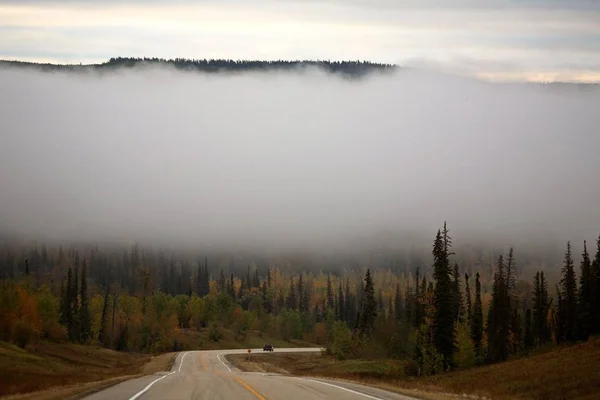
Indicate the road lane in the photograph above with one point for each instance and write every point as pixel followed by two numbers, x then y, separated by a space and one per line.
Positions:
pixel 207 375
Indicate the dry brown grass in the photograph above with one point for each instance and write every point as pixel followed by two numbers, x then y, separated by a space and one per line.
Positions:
pixel 568 372
pixel 68 369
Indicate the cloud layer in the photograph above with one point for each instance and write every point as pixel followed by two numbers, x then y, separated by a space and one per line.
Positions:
pixel 284 159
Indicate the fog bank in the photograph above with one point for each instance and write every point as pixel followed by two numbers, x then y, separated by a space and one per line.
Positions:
pixel 293 159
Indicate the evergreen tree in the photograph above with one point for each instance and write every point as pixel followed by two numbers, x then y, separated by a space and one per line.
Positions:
pixel 103 335
pixel 341 314
pixel 269 277
pixel 255 279
pixel 468 303
pixel 368 311
pixel 243 288
pixel 477 317
pixel 540 328
pixel 458 301
pixel 587 294
pixel 398 309
pixel 291 302
pixel 596 304
pixel 206 278
pixel 73 328
pixel 85 319
pixel 231 287
pixel 200 280
pixel 409 305
pixel 302 300
pixel 417 302
pixel 221 284
pixel 350 306
pixel 499 316
pixel 511 277
pixel 65 305
pixel 444 332
pixel 329 293
pixel 280 303
pixel 568 312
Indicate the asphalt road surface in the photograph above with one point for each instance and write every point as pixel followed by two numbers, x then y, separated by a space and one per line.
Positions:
pixel 207 375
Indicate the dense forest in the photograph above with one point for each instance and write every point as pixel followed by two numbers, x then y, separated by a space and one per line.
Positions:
pixel 442 315
pixel 347 68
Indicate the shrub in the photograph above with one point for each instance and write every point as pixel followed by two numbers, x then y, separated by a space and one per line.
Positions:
pixel 22 333
pixel 56 333
pixel 214 333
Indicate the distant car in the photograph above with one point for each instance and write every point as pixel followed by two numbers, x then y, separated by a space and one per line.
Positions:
pixel 268 347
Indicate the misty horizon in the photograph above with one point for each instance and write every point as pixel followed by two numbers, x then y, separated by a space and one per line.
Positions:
pixel 284 160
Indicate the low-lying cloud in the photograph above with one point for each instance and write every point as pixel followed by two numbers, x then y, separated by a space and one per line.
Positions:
pixel 286 159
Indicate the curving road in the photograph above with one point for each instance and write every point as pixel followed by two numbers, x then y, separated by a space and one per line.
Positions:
pixel 207 375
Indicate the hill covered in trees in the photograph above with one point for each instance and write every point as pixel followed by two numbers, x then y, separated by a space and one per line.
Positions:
pixel 346 68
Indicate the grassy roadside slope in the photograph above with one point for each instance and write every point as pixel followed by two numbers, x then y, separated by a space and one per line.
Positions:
pixel 50 365
pixel 568 372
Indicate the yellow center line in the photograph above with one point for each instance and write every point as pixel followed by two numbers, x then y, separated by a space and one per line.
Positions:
pixel 254 392
pixel 203 363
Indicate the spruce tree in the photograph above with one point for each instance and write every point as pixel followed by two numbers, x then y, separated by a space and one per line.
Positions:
pixel 568 286
pixel 200 280
pixel 341 314
pixel 103 335
pixel 586 294
pixel 350 311
pixel 541 304
pixel 231 287
pixel 444 332
pixel 368 311
pixel 302 300
pixel 499 316
pixel 477 317
pixel 329 293
pixel 73 328
pixel 596 303
pixel 255 279
pixel 291 302
pixel 417 303
pixel 85 319
pixel 65 305
pixel 206 279
pixel 221 284
pixel 458 300
pixel 398 309
pixel 468 304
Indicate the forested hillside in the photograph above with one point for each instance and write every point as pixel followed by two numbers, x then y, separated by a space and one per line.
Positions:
pixel 348 68
pixel 435 311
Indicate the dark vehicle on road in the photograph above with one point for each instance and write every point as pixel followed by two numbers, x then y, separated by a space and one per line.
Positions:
pixel 268 347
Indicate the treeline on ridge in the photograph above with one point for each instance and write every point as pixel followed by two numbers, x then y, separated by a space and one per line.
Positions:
pixel 348 68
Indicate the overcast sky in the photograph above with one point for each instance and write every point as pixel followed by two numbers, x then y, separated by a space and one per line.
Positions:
pixel 495 39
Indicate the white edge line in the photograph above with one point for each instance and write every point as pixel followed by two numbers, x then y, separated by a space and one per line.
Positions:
pixel 343 388
pixel 141 392
pixel 219 357
pixel 181 362
pixel 144 390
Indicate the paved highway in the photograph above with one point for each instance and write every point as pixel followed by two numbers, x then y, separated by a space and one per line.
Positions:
pixel 207 375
